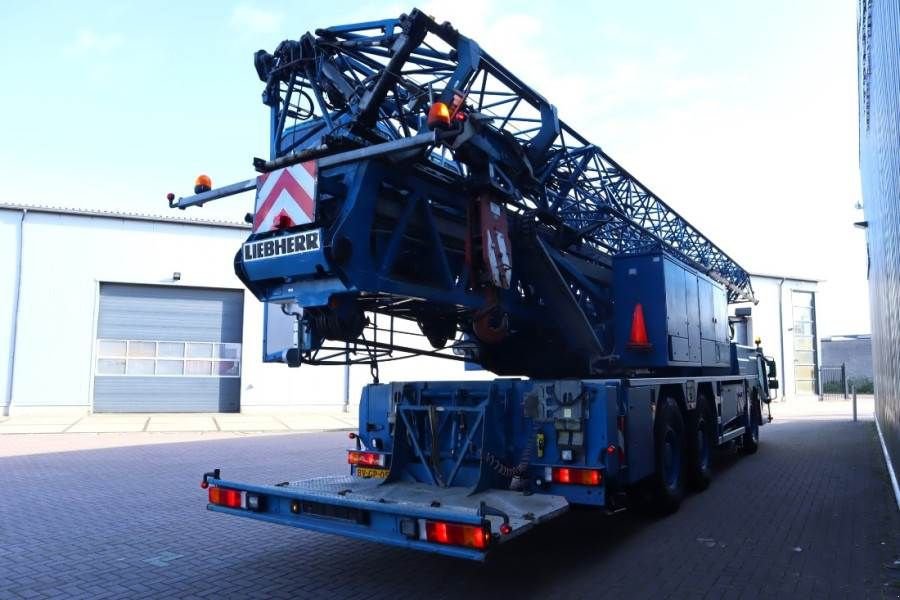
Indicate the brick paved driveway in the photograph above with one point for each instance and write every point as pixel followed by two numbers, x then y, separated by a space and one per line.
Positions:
pixel 810 516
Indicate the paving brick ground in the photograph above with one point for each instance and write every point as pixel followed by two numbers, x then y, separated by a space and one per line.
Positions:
pixel 810 516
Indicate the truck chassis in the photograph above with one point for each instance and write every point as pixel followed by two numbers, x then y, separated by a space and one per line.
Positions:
pixel 425 460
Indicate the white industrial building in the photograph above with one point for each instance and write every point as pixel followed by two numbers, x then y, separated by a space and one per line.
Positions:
pixel 110 312
pixel 784 320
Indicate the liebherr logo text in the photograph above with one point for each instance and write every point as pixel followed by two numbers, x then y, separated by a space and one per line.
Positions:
pixel 299 243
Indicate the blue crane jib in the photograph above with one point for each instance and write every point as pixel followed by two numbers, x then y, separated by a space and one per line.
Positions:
pixel 413 180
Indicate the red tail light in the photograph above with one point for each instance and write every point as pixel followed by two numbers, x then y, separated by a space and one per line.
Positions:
pixel 365 459
pixel 638 339
pixel 577 476
pixel 456 534
pixel 225 497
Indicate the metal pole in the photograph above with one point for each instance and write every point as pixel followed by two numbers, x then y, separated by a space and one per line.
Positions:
pixel 853 390
pixel 781 336
pixel 347 388
pixel 11 361
pixel 820 372
pixel 844 379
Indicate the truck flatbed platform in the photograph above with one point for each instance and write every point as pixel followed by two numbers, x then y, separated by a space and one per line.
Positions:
pixel 395 513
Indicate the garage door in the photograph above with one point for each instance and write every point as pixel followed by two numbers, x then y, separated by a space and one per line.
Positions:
pixel 168 349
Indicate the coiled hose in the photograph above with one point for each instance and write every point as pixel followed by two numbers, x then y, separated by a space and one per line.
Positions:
pixel 505 470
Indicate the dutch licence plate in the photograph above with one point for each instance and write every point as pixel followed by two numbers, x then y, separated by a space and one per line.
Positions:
pixel 370 472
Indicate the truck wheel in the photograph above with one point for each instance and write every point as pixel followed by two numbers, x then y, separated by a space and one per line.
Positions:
pixel 668 479
pixel 701 442
pixel 754 415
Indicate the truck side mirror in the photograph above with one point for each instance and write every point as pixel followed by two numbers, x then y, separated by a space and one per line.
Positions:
pixel 771 375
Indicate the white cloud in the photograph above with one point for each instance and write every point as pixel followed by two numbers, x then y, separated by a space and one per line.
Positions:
pixel 89 41
pixel 246 17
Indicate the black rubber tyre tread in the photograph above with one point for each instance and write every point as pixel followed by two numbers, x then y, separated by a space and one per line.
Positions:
pixel 700 475
pixel 750 440
pixel 667 498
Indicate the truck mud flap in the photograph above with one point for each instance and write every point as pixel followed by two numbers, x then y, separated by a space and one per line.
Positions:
pixel 407 514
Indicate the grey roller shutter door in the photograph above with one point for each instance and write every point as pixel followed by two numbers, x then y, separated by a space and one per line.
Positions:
pixel 148 312
pixel 212 318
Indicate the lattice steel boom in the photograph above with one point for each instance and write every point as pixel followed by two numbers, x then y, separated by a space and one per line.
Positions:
pixel 373 82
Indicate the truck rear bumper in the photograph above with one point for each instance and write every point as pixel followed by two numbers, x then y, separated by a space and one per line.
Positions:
pixel 391 513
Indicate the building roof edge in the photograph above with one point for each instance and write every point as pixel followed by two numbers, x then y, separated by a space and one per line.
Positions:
pixel 109 214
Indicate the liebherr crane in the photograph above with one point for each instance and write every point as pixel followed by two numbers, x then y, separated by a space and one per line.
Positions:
pixel 414 184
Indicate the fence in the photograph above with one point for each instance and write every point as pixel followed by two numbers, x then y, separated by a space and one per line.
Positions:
pixel 833 382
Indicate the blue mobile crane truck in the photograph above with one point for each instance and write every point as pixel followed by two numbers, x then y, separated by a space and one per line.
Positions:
pixel 421 200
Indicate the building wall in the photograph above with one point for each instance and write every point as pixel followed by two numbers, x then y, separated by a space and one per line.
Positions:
pixel 66 256
pixel 775 328
pixel 879 135
pixel 855 353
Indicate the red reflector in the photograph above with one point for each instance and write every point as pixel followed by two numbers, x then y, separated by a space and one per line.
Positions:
pixel 455 534
pixel 611 449
pixel 283 221
pixel 439 115
pixel 578 476
pixel 638 339
pixel 365 459
pixel 225 497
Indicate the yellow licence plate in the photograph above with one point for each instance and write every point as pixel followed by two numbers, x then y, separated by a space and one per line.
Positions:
pixel 370 472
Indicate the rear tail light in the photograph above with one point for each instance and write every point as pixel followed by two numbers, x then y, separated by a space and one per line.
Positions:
pixel 457 534
pixel 225 497
pixel 365 459
pixel 576 476
pixel 255 502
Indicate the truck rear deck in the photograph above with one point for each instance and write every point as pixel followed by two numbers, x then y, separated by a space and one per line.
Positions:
pixel 458 468
pixel 415 515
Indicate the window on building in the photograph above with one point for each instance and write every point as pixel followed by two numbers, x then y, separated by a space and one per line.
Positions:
pixel 804 334
pixel 143 358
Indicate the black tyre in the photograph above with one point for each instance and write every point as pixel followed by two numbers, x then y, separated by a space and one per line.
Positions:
pixel 750 441
pixel 668 480
pixel 701 442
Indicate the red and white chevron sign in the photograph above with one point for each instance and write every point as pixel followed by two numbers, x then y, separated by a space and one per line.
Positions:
pixel 286 197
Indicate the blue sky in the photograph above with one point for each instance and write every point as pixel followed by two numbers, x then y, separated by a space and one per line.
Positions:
pixel 741 115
